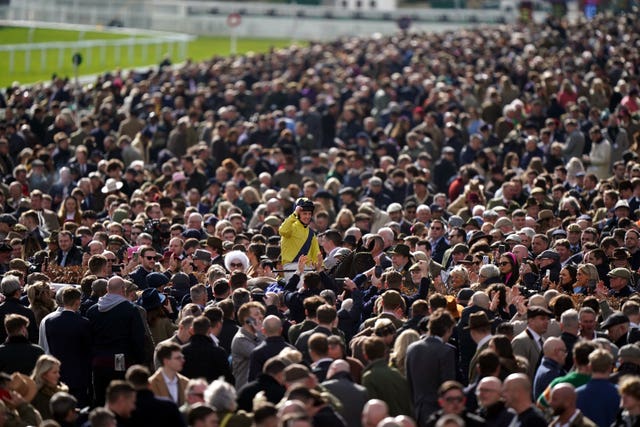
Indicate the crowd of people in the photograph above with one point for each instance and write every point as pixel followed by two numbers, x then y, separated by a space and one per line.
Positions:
pixel 407 230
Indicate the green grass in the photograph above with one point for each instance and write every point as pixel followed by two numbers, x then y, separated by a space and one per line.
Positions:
pixel 97 60
pixel 19 35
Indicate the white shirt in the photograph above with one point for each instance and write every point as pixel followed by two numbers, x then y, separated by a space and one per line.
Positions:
pixel 536 337
pixel 215 339
pixel 568 423
pixel 172 386
pixel 484 340
pixel 316 363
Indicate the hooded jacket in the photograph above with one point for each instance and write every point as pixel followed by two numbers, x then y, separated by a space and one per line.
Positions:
pixel 116 328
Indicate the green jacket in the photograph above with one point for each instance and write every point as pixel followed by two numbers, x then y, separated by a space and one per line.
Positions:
pixel 386 383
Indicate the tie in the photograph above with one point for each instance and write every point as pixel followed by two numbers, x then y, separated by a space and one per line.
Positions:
pixel 64 259
pixel 41 221
pixel 540 343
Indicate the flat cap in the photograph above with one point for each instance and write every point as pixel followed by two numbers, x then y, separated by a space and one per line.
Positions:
pixel 535 311
pixel 620 272
pixel 549 254
pixel 617 318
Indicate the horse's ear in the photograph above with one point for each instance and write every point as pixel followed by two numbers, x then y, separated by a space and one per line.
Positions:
pixel 343 268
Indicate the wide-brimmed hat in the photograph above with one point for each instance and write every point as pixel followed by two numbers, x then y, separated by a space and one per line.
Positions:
pixel 202 255
pixel 479 235
pixel 620 254
pixel 151 299
pixel 545 214
pixel 401 249
pixel 112 185
pixel 23 385
pixel 478 320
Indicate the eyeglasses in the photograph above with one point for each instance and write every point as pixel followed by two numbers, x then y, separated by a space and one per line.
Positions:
pixel 454 399
pixel 233 264
pixel 502 264
pixel 487 390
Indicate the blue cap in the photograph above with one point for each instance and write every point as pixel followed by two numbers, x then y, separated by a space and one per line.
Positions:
pixel 155 280
pixel 192 233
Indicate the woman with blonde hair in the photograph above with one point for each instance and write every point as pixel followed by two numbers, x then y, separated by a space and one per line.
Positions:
pixel 333 186
pixel 46 375
pixel 586 279
pixel 599 94
pixel 251 196
pixel 399 353
pixel 344 220
pixel 574 165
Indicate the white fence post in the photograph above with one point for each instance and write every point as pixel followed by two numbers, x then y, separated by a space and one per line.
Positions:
pixel 175 44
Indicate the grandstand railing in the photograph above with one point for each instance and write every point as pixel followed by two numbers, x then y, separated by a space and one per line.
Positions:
pixel 155 13
pixel 158 42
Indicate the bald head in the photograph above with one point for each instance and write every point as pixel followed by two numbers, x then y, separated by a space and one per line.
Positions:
pixel 516 392
pixel 555 349
pixel 563 399
pixel 537 300
pixel 272 326
pixel 519 382
pixel 115 285
pixel 291 407
pixel 405 421
pixel 488 391
pixel 338 365
pixel 374 411
pixel 493 382
pixel 388 422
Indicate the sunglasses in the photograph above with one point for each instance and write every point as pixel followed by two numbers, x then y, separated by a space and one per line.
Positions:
pixel 502 264
pixel 150 257
pixel 233 264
